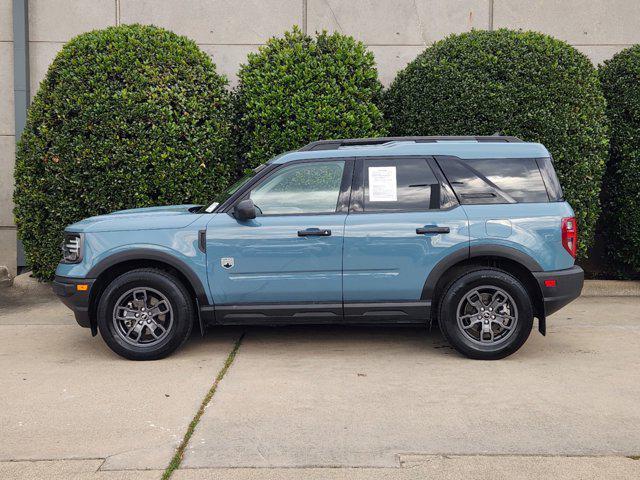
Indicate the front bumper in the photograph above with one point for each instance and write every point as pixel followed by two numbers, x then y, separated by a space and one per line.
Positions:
pixel 66 288
pixel 566 288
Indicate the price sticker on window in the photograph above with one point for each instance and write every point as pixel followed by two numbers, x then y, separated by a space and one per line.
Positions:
pixel 383 186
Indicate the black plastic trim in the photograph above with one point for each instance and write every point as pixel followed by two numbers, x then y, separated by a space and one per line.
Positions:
pixel 387 312
pixel 505 252
pixel 440 268
pixel 475 251
pixel 202 240
pixel 568 287
pixel 335 144
pixel 77 301
pixel 147 254
pixel 368 313
pixel 279 314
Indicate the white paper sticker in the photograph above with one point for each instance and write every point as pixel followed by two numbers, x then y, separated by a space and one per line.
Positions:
pixel 382 184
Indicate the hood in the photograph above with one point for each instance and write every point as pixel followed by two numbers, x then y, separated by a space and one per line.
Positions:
pixel 149 218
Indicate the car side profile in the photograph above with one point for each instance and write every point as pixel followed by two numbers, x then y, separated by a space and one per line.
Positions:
pixel 471 233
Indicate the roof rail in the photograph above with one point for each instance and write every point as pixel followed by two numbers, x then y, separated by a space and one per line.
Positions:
pixel 352 142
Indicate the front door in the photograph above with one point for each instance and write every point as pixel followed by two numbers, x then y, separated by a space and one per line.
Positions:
pixel 404 220
pixel 286 264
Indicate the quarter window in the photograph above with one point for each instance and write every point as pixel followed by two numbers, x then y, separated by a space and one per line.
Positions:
pixel 302 188
pixel 399 184
pixel 491 180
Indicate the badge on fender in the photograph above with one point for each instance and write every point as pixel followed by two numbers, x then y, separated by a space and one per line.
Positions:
pixel 227 262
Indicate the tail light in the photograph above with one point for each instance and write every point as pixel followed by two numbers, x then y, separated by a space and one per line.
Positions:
pixel 570 235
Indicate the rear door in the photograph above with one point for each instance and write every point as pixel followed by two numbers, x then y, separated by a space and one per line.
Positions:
pixel 403 220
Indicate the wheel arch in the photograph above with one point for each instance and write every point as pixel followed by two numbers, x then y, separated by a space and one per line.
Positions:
pixel 121 262
pixel 508 259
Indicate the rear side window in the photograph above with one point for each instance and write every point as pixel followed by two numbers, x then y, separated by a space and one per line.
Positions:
pixel 550 179
pixel 399 185
pixel 489 180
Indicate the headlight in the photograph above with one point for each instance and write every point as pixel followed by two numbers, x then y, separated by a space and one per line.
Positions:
pixel 72 247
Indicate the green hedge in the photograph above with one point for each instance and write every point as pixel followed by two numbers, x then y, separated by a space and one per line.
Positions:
pixel 620 79
pixel 517 83
pixel 129 116
pixel 297 89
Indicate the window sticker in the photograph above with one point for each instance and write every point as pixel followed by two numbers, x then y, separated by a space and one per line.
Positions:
pixel 383 185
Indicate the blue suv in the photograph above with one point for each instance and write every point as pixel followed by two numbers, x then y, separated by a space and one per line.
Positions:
pixel 470 232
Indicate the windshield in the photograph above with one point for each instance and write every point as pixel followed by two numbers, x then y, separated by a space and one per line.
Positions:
pixel 224 196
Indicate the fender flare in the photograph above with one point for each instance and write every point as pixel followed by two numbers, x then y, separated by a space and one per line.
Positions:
pixel 156 255
pixel 499 251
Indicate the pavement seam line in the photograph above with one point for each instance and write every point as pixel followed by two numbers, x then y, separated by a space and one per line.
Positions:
pixel 175 462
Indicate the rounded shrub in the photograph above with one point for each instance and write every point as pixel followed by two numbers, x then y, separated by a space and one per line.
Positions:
pixel 297 89
pixel 129 116
pixel 517 83
pixel 620 77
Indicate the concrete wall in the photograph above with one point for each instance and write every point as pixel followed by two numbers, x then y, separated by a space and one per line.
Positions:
pixel 7 138
pixel 395 30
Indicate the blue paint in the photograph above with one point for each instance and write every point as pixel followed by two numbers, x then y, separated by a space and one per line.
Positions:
pixel 384 258
pixel 368 257
pixel 272 263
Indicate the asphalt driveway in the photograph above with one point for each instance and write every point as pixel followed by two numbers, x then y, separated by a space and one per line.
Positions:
pixel 322 402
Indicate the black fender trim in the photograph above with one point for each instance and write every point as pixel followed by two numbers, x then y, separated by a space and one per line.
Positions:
pixel 505 252
pixel 148 254
pixel 439 269
pixel 475 251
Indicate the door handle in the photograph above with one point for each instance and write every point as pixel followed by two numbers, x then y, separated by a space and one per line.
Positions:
pixel 432 230
pixel 314 232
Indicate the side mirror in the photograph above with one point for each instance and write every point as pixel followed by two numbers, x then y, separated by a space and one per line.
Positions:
pixel 245 210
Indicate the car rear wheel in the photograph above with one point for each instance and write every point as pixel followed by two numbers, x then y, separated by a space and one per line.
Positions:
pixel 486 314
pixel 145 314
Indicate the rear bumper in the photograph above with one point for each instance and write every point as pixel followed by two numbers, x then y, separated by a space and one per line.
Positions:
pixel 77 300
pixel 568 286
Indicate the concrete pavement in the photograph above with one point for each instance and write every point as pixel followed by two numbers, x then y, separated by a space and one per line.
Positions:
pixel 65 395
pixel 335 403
pixel 357 397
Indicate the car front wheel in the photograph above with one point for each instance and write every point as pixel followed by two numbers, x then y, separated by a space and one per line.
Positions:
pixel 486 314
pixel 145 314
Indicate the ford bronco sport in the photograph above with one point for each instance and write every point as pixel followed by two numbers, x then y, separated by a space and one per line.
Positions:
pixel 470 232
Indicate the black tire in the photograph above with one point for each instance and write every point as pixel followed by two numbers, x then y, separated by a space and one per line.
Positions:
pixel 164 284
pixel 454 298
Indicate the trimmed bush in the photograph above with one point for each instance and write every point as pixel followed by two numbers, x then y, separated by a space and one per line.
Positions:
pixel 297 89
pixel 129 116
pixel 517 83
pixel 620 78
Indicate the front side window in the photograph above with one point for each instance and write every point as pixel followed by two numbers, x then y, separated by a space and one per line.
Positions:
pixel 399 184
pixel 302 188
